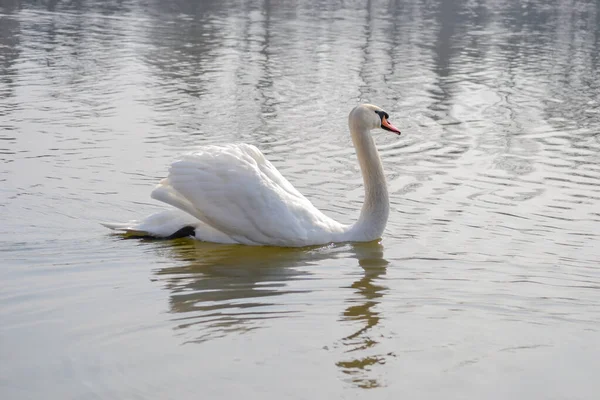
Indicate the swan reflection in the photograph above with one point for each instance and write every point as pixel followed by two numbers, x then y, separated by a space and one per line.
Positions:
pixel 361 346
pixel 223 289
pixel 218 290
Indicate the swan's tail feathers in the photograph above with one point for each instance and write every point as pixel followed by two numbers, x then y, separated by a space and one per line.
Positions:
pixel 168 224
pixel 115 226
pixel 128 229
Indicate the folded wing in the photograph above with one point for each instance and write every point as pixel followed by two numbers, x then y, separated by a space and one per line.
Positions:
pixel 237 191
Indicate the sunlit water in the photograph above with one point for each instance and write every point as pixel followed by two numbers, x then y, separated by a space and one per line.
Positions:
pixel 485 285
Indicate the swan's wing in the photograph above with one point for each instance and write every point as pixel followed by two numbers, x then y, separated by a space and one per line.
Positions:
pixel 237 191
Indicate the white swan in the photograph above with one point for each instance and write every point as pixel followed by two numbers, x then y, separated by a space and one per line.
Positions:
pixel 233 194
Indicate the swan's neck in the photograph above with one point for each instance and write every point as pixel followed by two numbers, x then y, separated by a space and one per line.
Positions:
pixel 376 208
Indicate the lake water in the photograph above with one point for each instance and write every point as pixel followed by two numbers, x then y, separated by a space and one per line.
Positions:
pixel 485 285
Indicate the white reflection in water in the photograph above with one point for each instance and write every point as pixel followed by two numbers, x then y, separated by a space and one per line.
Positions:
pixel 218 290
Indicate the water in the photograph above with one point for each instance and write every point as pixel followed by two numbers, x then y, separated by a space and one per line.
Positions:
pixel 485 285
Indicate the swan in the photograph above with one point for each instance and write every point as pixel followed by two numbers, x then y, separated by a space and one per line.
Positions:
pixel 233 194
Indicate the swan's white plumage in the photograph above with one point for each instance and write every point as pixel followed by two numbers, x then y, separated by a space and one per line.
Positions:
pixel 233 194
pixel 160 224
pixel 236 190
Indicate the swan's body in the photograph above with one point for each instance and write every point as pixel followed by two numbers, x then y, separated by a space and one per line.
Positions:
pixel 233 194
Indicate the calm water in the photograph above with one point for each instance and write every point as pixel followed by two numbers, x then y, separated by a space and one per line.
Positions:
pixel 485 285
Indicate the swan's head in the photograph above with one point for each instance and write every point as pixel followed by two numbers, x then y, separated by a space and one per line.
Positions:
pixel 369 116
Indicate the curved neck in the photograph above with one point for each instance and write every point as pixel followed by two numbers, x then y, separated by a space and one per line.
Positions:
pixel 375 210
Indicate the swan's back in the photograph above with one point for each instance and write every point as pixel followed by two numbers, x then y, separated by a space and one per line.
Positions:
pixel 236 190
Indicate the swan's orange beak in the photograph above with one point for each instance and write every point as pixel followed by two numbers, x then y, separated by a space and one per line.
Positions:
pixel 385 124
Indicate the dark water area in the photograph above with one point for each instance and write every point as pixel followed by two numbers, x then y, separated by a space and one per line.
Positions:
pixel 486 283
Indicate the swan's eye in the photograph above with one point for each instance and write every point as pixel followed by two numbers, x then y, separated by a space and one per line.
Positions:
pixel 382 115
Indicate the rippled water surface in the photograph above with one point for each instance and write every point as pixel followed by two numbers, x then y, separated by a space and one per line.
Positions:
pixel 485 285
